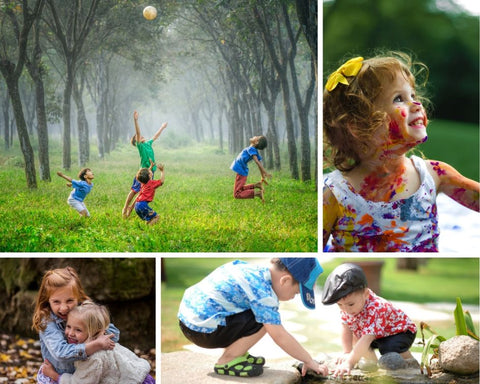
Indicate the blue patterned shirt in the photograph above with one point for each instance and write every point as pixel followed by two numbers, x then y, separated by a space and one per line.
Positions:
pixel 230 289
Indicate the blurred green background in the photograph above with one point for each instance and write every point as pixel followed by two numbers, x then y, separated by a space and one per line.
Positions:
pixel 437 33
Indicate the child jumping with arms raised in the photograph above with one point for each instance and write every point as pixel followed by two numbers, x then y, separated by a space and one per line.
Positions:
pixel 368 321
pixel 85 323
pixel 242 190
pixel 147 156
pixel 237 304
pixel 81 188
pixel 60 292
pixel 378 199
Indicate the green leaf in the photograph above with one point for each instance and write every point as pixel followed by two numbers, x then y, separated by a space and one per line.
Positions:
pixel 460 323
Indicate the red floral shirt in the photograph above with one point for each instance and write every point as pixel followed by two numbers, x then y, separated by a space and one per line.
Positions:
pixel 380 318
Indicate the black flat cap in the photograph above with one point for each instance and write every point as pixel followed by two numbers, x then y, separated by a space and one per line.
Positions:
pixel 343 280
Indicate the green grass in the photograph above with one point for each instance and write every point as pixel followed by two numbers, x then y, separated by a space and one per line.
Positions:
pixel 437 280
pixel 196 208
pixel 456 144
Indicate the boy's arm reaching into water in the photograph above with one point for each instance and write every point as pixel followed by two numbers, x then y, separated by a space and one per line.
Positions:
pixel 290 345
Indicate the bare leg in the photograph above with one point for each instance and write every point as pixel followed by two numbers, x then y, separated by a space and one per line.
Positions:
pixel 240 347
pixel 127 209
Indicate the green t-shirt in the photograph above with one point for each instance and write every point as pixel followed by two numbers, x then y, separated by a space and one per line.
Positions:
pixel 146 153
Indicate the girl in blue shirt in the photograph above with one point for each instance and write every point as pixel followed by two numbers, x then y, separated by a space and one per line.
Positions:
pixel 60 292
pixel 81 188
pixel 242 190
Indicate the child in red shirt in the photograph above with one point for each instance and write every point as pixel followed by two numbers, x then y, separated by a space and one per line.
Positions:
pixel 147 193
pixel 368 320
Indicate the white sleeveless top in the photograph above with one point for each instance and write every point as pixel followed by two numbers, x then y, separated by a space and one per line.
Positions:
pixel 405 225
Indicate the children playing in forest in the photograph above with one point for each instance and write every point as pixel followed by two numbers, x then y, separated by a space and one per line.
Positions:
pixel 60 292
pixel 86 323
pixel 378 199
pixel 147 193
pixel 237 304
pixel 368 321
pixel 81 188
pixel 147 155
pixel 242 190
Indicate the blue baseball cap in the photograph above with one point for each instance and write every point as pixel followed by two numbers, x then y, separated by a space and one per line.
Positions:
pixel 306 271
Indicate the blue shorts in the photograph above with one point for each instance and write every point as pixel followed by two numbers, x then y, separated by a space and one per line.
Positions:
pixel 144 211
pixel 136 185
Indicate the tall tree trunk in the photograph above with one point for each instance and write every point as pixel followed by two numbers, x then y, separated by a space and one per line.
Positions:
pixel 67 133
pixel 23 136
pixel 82 123
pixel 6 120
pixel 34 67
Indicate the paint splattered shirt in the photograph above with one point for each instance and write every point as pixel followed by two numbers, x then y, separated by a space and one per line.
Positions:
pixel 232 288
pixel 405 225
pixel 380 318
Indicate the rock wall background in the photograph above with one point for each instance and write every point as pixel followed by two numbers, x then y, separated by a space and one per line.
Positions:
pixel 125 285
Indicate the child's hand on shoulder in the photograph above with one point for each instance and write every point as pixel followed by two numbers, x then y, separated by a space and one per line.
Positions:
pixel 105 342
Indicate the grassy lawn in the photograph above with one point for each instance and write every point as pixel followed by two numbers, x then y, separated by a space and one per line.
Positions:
pixel 456 144
pixel 437 280
pixel 197 210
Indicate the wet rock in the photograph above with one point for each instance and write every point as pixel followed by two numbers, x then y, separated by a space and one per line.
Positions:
pixel 392 361
pixel 460 355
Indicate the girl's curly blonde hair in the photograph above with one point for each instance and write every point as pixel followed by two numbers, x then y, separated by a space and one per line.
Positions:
pixel 350 120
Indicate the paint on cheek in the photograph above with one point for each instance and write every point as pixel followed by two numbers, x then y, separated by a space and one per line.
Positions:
pixel 394 130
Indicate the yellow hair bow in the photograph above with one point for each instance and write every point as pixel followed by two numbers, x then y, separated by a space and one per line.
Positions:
pixel 350 68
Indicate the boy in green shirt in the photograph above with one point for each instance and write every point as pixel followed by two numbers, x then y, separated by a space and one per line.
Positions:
pixel 147 155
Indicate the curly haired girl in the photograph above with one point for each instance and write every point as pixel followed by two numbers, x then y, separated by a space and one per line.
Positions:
pixel 379 199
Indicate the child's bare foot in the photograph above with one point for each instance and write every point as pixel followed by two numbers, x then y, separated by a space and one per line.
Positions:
pixel 259 185
pixel 154 220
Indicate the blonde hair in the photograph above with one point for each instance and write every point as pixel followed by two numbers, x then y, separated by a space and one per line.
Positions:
pixel 53 280
pixel 95 317
pixel 350 119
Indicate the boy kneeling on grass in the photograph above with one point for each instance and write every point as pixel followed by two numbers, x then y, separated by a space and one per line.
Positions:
pixel 237 304
pixel 368 321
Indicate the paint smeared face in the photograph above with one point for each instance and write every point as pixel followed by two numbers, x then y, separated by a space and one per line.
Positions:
pixel 408 120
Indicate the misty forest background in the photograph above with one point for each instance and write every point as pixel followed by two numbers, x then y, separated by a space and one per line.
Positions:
pixel 219 72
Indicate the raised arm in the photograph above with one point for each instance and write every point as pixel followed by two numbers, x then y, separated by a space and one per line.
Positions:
pixel 456 186
pixel 138 135
pixel 68 178
pixel 160 130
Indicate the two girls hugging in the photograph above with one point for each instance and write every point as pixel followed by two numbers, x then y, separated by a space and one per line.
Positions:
pixel 77 340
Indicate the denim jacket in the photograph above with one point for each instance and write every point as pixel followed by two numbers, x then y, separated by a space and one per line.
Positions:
pixel 55 348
